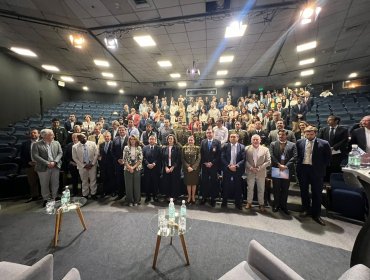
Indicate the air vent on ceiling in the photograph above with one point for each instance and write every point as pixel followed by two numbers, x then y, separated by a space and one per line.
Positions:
pixel 340 50
pixel 139 4
pixel 354 27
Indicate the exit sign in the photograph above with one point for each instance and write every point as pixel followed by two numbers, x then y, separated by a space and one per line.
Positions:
pixel 260 88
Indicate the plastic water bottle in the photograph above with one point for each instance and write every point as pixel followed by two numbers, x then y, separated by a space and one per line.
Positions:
pixel 354 158
pixel 182 222
pixel 171 210
pixel 66 197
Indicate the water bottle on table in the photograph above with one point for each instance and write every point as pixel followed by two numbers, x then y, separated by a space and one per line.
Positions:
pixel 171 210
pixel 66 197
pixel 182 218
pixel 354 157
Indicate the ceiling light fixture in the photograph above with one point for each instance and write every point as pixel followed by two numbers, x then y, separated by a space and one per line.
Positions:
pixel 193 72
pixel 219 83
pixel 353 75
pixel 121 91
pixel 22 51
pixel 307 46
pixel 77 40
pixel 102 63
pixel 175 75
pixel 307 61
pixel 164 63
pixel 85 88
pixel 145 41
pixel 297 84
pixel 226 58
pixel 51 68
pixel 112 83
pixel 111 41
pixel 67 79
pixel 235 29
pixel 107 75
pixel 222 72
pixel 181 84
pixel 309 14
pixel 307 72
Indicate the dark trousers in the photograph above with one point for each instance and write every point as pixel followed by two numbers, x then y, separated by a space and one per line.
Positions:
pixel 232 188
pixel 33 182
pixel 306 177
pixel 107 177
pixel 151 181
pixel 120 180
pixel 280 191
pixel 209 183
pixel 334 166
pixel 171 183
pixel 75 176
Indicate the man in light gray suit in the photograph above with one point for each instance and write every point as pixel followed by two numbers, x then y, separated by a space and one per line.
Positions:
pixel 47 154
pixel 256 162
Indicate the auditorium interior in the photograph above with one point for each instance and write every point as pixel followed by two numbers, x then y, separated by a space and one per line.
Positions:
pixel 91 57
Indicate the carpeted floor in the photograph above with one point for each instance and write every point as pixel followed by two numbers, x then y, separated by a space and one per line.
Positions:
pixel 120 245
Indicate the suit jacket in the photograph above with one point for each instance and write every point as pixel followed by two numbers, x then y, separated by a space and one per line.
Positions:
pixel 152 156
pixel 60 135
pixel 78 150
pixel 40 155
pixel 67 156
pixel 117 148
pixel 321 154
pixel 175 157
pixel 290 153
pixel 98 141
pixel 106 158
pixel 262 133
pixel 358 137
pixel 211 155
pixel 340 141
pixel 263 160
pixel 271 125
pixel 273 136
pixel 68 125
pixel 240 159
pixel 295 111
pixel 25 153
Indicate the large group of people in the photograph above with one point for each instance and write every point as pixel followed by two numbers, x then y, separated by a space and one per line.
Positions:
pixel 203 140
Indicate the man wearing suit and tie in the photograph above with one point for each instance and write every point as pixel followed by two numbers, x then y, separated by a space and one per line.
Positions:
pixel 273 135
pixel 361 136
pixel 85 155
pixel 257 160
pixel 298 113
pixel 106 165
pixel 337 137
pixel 119 143
pixel 210 150
pixel 152 168
pixel 47 154
pixel 313 158
pixel 258 130
pixel 283 156
pixel 233 166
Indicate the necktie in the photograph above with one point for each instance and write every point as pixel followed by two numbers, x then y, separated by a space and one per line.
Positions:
pixel 331 136
pixel 122 140
pixel 106 147
pixel 209 145
pixel 86 154
pixel 96 139
pixel 169 156
pixel 308 153
pixel 233 154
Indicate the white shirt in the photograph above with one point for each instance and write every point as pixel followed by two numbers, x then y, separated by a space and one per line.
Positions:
pixel 367 135
pixel 221 134
pixel 233 153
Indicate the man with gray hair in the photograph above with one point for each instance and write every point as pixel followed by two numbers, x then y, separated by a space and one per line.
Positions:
pixel 47 154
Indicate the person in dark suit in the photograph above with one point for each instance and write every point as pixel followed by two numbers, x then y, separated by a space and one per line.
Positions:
pixel 171 164
pixel 28 163
pixel 106 164
pixel 337 136
pixel 210 150
pixel 283 156
pixel 313 158
pixel 359 135
pixel 298 113
pixel 70 123
pixel 258 130
pixel 152 168
pixel 233 166
pixel 60 132
pixel 70 165
pixel 119 143
pixel 271 125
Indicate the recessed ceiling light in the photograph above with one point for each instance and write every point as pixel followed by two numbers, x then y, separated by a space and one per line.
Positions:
pixel 226 58
pixel 111 41
pixel 25 52
pixel 121 91
pixel 181 84
pixel 347 81
pixel 77 40
pixel 145 41
pixel 85 88
pixel 297 83
pixel 307 72
pixel 67 79
pixel 222 72
pixel 112 83
pixel 306 21
pixel 164 63
pixel 307 61
pixel 307 46
pixel 102 63
pixel 219 83
pixel 175 75
pixel 107 75
pixel 235 29
pixel 50 68
pixel 353 75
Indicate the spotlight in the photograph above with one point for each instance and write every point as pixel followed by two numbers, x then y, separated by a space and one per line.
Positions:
pixel 111 41
pixel 309 14
pixel 193 72
pixel 77 40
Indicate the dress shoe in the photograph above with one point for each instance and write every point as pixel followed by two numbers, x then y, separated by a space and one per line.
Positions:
pixel 275 209
pixel 223 205
pixel 319 220
pixel 118 198
pixel 203 201
pixel 262 208
pixel 239 207
pixel 213 203
pixel 147 199
pixel 248 206
pixel 285 211
pixel 94 197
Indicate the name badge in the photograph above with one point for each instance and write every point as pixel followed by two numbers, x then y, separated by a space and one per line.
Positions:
pixel 282 157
